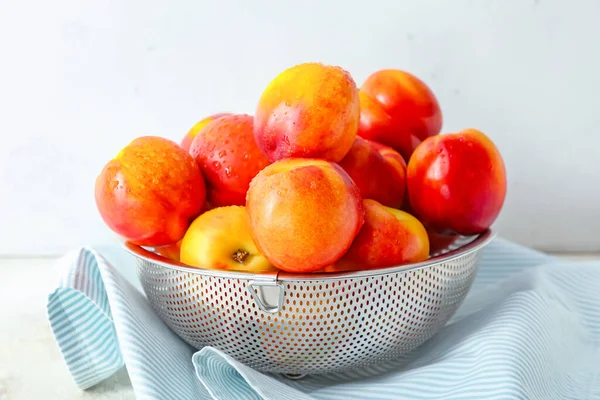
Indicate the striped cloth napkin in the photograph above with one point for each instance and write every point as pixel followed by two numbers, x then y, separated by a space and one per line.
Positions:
pixel 529 329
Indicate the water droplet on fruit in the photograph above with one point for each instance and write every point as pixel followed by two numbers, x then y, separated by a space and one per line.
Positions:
pixel 246 156
pixel 216 165
pixel 313 185
pixel 228 172
pixel 286 139
pixel 222 153
pixel 288 104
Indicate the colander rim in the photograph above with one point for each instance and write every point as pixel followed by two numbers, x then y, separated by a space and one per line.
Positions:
pixel 480 241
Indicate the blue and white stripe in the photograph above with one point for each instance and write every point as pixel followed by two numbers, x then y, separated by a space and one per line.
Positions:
pixel 100 322
pixel 529 329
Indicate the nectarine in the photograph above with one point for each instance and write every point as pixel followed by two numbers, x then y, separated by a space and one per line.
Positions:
pixel 228 157
pixel 310 110
pixel 304 213
pixel 457 182
pixel 220 239
pixel 389 237
pixel 150 192
pixel 398 109
pixel 378 171
pixel 189 137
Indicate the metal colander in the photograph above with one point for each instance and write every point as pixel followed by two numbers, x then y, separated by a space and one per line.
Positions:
pixel 313 323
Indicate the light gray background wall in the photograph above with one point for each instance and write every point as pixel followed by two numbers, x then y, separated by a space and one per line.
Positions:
pixel 79 79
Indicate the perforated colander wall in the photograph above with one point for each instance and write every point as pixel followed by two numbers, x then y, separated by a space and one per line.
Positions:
pixel 324 325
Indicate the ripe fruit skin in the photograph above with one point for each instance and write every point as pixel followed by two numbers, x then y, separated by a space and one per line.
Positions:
pixel 310 110
pixel 220 239
pixel 187 140
pixel 304 213
pixel 457 182
pixel 375 123
pixel 228 157
pixel 150 192
pixel 388 238
pixel 378 171
pixel 399 110
pixel 170 251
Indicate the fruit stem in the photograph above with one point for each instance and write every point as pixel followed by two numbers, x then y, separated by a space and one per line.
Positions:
pixel 240 256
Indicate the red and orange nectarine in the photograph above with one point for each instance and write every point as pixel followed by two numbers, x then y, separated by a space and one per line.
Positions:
pixel 399 110
pixel 457 182
pixel 150 192
pixel 310 110
pixel 378 171
pixel 304 213
pixel 388 238
pixel 189 137
pixel 228 157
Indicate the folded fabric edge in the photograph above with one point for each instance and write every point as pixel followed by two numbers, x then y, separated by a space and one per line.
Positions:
pixel 202 362
pixel 75 318
pixel 67 310
pixel 264 389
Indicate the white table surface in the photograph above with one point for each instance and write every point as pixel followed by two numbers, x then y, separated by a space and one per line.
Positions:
pixel 31 366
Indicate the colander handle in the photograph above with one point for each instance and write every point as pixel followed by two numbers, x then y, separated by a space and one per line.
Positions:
pixel 268 295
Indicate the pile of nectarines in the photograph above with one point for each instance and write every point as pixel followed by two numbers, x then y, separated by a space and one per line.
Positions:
pixel 324 177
